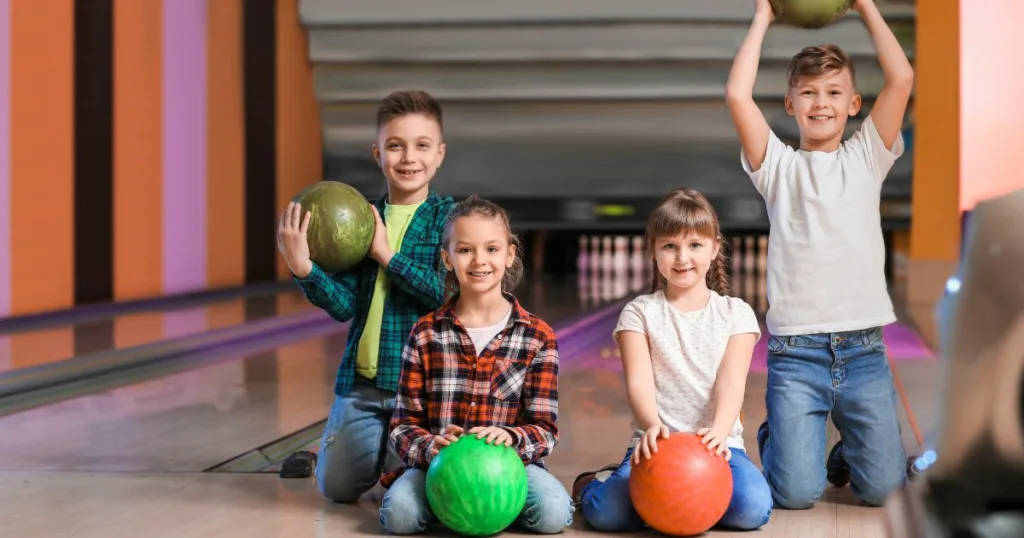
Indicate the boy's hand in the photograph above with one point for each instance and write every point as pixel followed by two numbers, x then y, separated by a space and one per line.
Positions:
pixel 494 434
pixel 715 440
pixel 648 443
pixel 380 251
pixel 291 239
pixel 859 5
pixel 449 436
pixel 763 8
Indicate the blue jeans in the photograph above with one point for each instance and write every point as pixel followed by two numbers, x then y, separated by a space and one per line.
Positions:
pixel 548 509
pixel 845 374
pixel 354 450
pixel 607 506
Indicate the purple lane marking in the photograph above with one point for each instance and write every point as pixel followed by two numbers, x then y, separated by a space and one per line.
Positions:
pixel 188 322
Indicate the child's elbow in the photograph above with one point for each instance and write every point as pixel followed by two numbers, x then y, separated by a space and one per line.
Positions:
pixel 903 80
pixel 735 95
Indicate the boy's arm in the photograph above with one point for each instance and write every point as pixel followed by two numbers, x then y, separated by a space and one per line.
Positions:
pixel 747 117
pixel 426 284
pixel 891 104
pixel 412 441
pixel 538 436
pixel 335 295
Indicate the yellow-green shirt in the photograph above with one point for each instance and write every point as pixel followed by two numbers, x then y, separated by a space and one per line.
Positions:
pixel 397 218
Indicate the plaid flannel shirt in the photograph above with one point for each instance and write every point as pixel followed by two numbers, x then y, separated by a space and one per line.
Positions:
pixel 416 280
pixel 512 384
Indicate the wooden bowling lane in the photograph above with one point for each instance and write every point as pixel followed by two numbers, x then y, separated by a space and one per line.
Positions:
pixel 271 395
pixel 186 421
pixel 38 342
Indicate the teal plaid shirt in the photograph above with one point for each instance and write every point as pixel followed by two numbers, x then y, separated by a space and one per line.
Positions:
pixel 416 276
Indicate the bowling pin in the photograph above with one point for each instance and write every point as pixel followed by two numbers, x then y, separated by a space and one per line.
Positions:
pixel 638 264
pixel 583 271
pixel 582 260
pixel 762 268
pixel 750 269
pixel 621 284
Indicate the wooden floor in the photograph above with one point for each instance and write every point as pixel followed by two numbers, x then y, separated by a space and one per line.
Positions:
pixel 129 461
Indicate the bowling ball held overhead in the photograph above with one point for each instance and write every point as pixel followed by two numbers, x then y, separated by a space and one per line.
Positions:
pixel 341 224
pixel 810 14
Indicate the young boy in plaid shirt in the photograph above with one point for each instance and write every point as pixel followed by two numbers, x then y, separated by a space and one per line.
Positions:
pixel 399 281
pixel 480 365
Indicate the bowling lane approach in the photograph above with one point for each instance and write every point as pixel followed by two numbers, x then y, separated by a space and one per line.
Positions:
pixel 180 455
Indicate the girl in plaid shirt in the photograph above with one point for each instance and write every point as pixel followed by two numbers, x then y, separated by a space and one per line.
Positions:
pixel 480 365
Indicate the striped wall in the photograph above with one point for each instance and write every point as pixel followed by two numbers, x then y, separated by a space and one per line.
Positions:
pixel 147 146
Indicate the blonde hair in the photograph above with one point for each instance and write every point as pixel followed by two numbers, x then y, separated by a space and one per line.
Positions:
pixel 817 61
pixel 484 208
pixel 682 212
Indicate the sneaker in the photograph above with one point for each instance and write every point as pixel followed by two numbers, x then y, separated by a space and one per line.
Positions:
pixel 838 471
pixel 585 478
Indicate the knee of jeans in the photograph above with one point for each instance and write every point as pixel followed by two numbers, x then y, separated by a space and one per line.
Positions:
pixel 396 518
pixel 400 513
pixel 340 485
pixel 340 489
pixel 752 514
pixel 796 496
pixel 612 515
pixel 553 515
pixel 875 494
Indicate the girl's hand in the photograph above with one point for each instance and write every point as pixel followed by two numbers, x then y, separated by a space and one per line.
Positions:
pixel 291 239
pixel 449 436
pixel 494 434
pixel 715 440
pixel 648 443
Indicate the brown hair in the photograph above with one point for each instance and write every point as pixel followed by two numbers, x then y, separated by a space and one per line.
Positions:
pixel 682 212
pixel 484 208
pixel 817 61
pixel 406 102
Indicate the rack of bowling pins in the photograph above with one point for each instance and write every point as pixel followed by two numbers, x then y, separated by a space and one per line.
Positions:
pixel 610 267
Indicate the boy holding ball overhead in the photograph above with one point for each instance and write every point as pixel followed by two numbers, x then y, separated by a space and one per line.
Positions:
pixel 400 280
pixel 826 266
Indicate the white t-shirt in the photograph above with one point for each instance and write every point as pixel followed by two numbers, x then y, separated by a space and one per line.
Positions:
pixel 826 255
pixel 686 351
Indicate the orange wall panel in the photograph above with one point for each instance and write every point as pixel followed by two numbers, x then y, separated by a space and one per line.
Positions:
pixel 299 138
pixel 935 231
pixel 226 145
pixel 42 155
pixel 138 168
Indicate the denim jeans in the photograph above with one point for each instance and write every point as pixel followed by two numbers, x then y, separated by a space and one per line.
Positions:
pixel 354 450
pixel 548 509
pixel 607 506
pixel 846 374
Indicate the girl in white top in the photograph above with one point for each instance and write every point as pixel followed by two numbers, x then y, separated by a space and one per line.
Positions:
pixel 686 349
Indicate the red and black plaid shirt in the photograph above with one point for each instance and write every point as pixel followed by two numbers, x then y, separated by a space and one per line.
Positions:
pixel 512 384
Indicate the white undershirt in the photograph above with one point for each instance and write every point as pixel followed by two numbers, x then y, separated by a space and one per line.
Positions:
pixel 482 336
